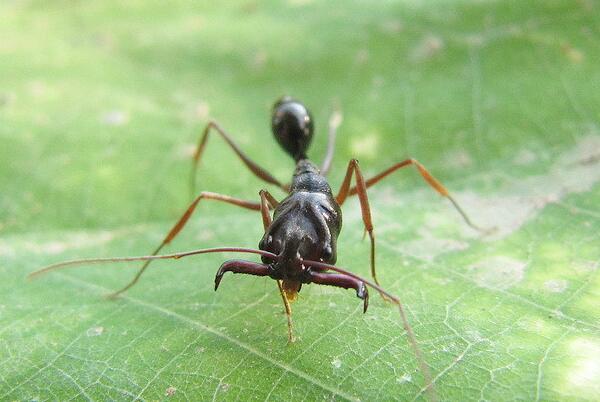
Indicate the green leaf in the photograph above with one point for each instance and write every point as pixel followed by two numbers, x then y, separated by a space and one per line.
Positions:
pixel 101 105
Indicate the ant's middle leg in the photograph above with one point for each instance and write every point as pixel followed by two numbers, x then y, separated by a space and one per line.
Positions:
pixel 429 179
pixel 267 202
pixel 255 206
pixel 258 171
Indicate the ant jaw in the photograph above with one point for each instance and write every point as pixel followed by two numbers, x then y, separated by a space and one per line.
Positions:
pixel 218 278
pixel 363 293
pixel 242 267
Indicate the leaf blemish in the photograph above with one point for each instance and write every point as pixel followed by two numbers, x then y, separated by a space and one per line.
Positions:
pixel 498 272
pixel 458 159
pixel 583 376
pixel 170 391
pixel 555 285
pixel 429 47
pixel 337 363
pixel 405 378
pixel 115 118
pixel 95 331
pixel 519 200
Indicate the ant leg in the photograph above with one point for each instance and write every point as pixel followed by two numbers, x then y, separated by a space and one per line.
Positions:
pixel 342 281
pixel 432 181
pixel 181 223
pixel 241 267
pixel 334 122
pixel 364 205
pixel 266 200
pixel 254 168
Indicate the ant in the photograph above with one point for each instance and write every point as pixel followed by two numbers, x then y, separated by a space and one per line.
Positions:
pixel 299 243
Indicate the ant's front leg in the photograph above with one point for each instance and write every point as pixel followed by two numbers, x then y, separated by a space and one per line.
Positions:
pixel 267 202
pixel 179 225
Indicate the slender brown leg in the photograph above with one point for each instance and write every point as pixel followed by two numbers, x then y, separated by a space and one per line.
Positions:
pixel 266 201
pixel 258 171
pixel 353 167
pixel 334 122
pixel 181 223
pixel 432 181
pixel 342 281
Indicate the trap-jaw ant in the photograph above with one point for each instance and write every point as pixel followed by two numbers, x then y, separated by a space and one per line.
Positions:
pixel 299 243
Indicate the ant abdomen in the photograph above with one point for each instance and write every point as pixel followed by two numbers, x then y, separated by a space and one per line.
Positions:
pixel 292 125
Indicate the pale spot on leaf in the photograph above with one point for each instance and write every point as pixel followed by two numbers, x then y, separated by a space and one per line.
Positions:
pixel 95 331
pixel 574 55
pixel 362 56
pixel 260 60
pixel 583 375
pixel 520 200
pixel 405 378
pixel 170 391
pixel 555 285
pixel 498 272
pixel 185 151
pixel 458 159
pixel 115 118
pixel 391 26
pixel 428 47
pixel 202 110
pixel 524 157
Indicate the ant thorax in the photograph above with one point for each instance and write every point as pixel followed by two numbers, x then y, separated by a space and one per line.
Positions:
pixel 307 177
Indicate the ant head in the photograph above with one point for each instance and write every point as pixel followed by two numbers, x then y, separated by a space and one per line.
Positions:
pixel 292 126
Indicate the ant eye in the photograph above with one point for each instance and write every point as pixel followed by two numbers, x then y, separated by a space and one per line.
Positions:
pixel 265 243
pixel 292 126
pixel 327 253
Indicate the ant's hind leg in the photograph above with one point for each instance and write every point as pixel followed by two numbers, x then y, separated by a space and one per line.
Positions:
pixel 258 171
pixel 255 206
pixel 267 201
pixel 428 177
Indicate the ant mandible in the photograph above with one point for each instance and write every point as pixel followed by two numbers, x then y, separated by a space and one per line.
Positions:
pixel 299 243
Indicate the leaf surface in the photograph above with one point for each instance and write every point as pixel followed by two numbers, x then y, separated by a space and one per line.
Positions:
pixel 101 105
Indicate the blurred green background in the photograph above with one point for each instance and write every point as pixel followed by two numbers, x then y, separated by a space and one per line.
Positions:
pixel 101 104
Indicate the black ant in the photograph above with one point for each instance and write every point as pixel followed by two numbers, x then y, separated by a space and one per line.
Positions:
pixel 299 244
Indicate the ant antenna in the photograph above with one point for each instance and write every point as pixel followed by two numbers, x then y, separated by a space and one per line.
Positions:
pixel 66 264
